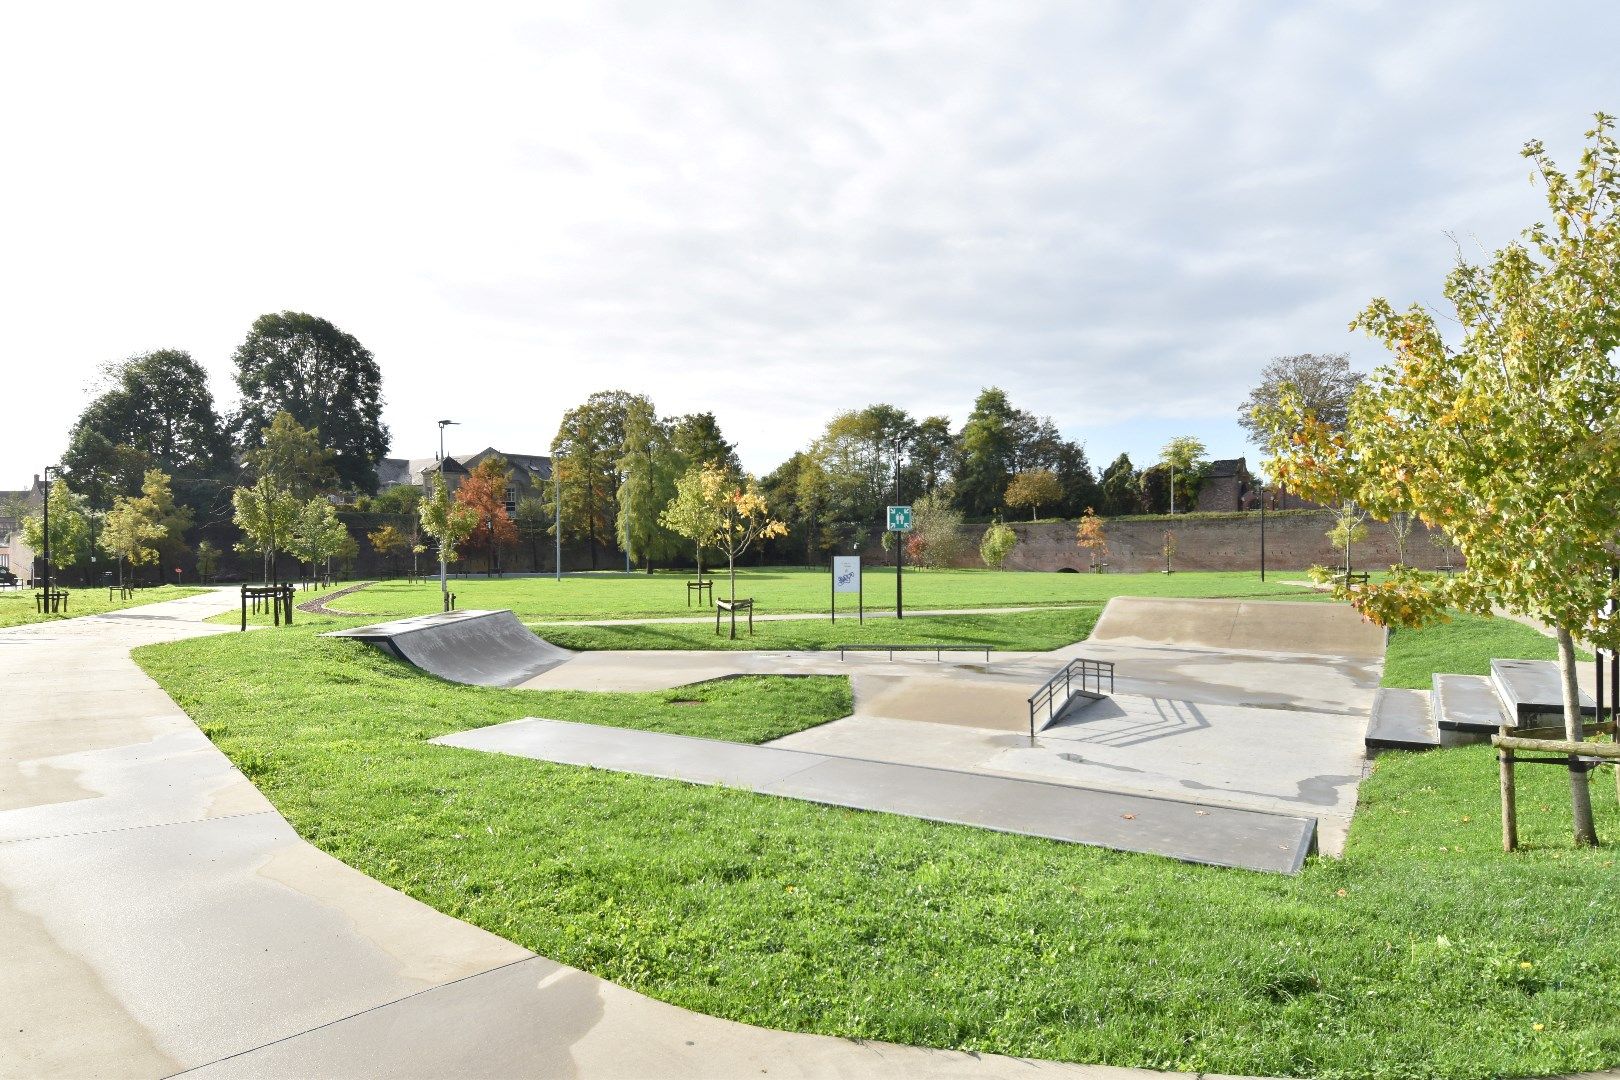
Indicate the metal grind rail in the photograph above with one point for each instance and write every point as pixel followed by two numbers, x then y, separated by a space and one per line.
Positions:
pixel 1055 693
pixel 937 650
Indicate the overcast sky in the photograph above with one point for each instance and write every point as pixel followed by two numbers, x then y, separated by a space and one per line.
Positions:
pixel 775 211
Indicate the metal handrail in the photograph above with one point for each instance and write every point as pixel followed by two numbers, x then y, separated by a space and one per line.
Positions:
pixel 937 650
pixel 1086 670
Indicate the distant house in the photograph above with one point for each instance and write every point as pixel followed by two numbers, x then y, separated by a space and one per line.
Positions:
pixel 1227 486
pixel 15 507
pixel 529 472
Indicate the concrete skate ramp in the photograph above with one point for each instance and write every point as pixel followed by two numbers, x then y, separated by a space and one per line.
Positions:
pixel 479 648
pixel 1275 626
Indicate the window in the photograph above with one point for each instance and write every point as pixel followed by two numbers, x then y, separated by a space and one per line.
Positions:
pixel 511 499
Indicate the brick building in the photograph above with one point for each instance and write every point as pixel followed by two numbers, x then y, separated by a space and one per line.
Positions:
pixel 529 472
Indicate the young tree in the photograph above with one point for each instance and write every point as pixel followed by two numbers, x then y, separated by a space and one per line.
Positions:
pixel 996 544
pixel 317 535
pixel 446 519
pixel 711 509
pixel 1183 452
pixel 388 542
pixel 207 560
pixel 1169 550
pixel 265 512
pixel 533 520
pixel 1349 529
pixel 70 527
pixel 303 365
pixel 1089 536
pixel 129 536
pixel 1323 383
pixel 293 458
pixel 1032 488
pixel 1400 527
pixel 1505 440
pixel 484 490
pixel 649 466
pixel 936 532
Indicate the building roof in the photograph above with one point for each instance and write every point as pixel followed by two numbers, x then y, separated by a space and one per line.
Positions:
pixel 1229 467
pixel 391 472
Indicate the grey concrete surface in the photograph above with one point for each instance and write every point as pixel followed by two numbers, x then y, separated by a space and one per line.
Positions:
pixel 157 915
pixel 1402 720
pixel 1261 626
pixel 1135 821
pixel 1533 688
pixel 1466 703
pixel 480 648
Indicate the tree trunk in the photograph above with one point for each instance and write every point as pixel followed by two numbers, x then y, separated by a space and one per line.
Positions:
pixel 1580 791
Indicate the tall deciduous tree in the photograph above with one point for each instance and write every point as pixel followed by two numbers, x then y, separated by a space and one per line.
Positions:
pixel 484 490
pixel 1507 439
pixel 987 447
pixel 1322 382
pixel 650 465
pixel 697 439
pixel 587 451
pixel 1182 453
pixel 159 403
pixel 326 379
pixel 1121 491
pixel 292 456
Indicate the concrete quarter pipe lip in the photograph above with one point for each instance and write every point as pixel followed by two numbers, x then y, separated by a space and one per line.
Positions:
pixel 476 648
pixel 1311 628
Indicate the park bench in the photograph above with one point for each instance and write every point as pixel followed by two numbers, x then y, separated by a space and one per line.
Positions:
pixel 120 592
pixel 1350 579
pixel 699 587
pixel 935 649
pixel 734 606
pixel 51 601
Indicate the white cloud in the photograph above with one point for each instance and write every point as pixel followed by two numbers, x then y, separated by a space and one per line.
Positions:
pixel 1115 211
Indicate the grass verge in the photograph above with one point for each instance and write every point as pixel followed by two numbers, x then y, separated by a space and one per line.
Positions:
pixel 1464 646
pixel 1425 952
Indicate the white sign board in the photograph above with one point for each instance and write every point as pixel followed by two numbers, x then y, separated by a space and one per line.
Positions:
pixel 846 573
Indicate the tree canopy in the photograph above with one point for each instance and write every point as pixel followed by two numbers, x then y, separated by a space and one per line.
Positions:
pixel 303 365
pixel 159 404
pixel 1505 439
pixel 1322 382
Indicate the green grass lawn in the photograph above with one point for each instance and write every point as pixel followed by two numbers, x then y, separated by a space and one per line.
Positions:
pixel 784 590
pixel 1023 631
pixel 1424 952
pixel 1464 646
pixel 17 605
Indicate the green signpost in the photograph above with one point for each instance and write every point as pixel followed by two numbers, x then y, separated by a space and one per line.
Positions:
pixel 899 524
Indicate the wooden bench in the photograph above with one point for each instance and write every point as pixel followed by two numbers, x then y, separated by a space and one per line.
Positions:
pixel 120 592
pixel 699 587
pixel 734 606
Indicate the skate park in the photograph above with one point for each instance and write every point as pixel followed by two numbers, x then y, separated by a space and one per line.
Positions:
pixel 1231 732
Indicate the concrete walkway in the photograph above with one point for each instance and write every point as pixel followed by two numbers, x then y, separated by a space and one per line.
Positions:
pixel 157 915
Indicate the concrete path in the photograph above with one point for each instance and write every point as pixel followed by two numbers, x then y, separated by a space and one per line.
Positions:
pixel 1249 839
pixel 157 915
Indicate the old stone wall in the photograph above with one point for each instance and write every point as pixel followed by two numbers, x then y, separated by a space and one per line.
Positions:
pixel 1294 540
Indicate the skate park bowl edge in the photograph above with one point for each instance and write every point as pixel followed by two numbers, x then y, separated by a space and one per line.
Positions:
pixel 477 648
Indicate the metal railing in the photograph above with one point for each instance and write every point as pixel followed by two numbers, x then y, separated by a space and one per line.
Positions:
pixel 937 650
pixel 1055 693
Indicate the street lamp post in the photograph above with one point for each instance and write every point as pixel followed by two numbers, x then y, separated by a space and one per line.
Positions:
pixel 46 530
pixel 444 561
pixel 556 523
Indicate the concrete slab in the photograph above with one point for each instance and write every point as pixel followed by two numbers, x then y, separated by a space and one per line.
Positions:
pixel 1532 691
pixel 480 648
pixel 1218 836
pixel 1261 626
pixel 1466 703
pixel 1402 720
